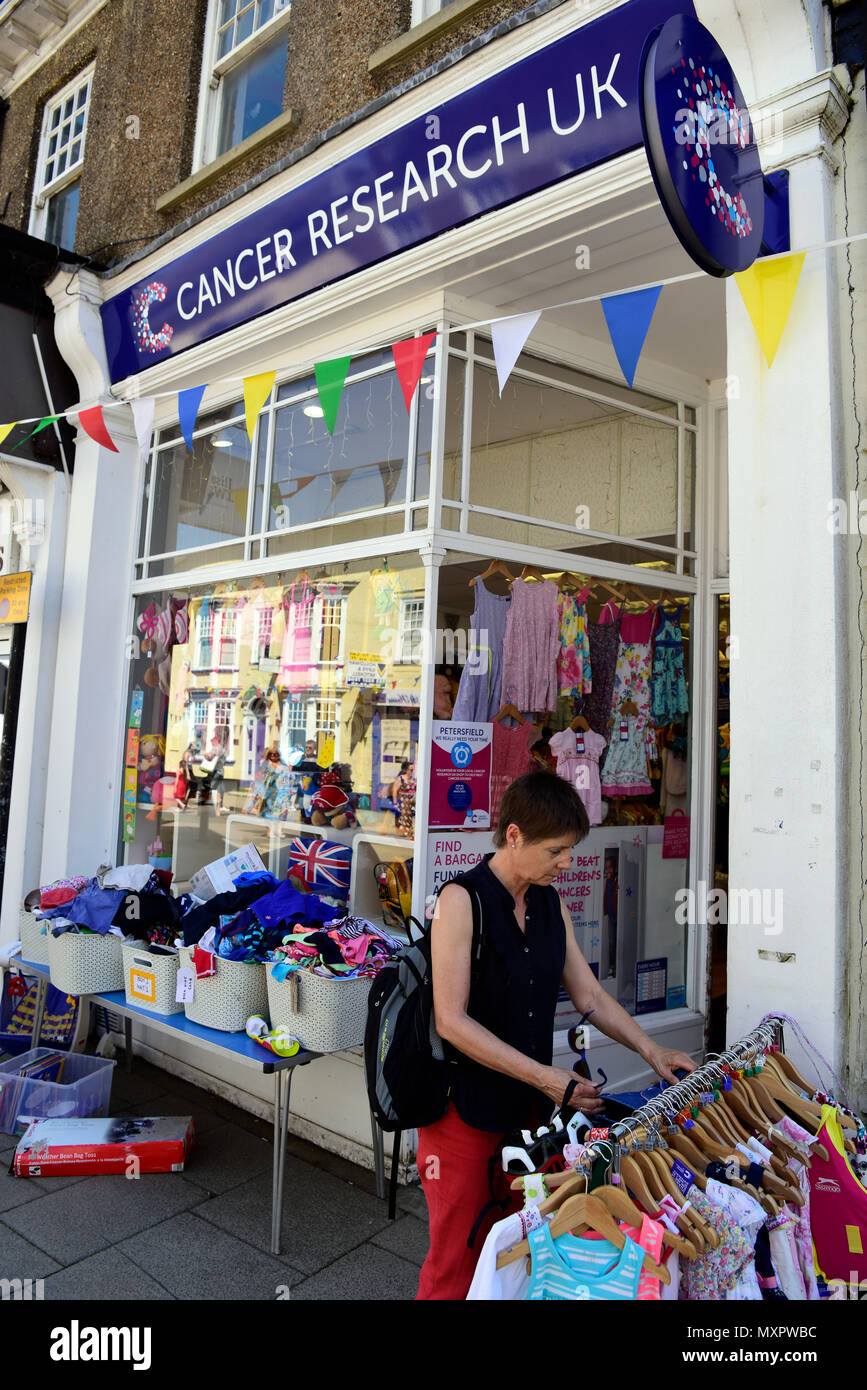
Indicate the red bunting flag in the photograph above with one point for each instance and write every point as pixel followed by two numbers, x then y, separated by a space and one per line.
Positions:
pixel 92 423
pixel 409 360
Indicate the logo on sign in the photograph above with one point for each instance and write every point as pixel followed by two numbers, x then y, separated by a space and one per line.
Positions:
pixel 701 147
pixel 147 340
pixel 462 755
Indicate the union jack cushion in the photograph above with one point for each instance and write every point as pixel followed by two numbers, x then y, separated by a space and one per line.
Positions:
pixel 322 864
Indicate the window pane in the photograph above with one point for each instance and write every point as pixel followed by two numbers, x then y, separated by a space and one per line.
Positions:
pixel 201 497
pixel 62 214
pixel 362 466
pixel 245 25
pixel 266 10
pixel 252 94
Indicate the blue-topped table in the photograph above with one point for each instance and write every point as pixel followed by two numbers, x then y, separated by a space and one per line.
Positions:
pixel 241 1049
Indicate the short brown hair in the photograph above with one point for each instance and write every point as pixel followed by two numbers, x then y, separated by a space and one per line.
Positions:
pixel 543 806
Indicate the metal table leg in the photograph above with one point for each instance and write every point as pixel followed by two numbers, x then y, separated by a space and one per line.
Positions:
pixel 378 1156
pixel 275 1215
pixel 39 1010
pixel 127 1039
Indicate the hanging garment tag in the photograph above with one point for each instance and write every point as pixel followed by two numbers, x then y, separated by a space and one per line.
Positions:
pixel 624 731
pixel 185 987
pixel 579 743
pixel 684 1177
pixel 765 1155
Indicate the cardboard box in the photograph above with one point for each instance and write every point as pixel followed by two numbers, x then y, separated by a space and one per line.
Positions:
pixel 57 1148
pixel 219 877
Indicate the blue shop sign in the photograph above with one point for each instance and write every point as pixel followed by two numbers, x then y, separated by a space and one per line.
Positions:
pixel 555 113
pixel 701 147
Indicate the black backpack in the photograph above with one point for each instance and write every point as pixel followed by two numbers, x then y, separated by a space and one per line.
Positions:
pixel 406 1069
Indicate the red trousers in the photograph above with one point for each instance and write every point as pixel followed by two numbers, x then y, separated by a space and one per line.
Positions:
pixel 453 1167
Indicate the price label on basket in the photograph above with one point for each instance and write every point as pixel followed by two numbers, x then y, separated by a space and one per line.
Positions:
pixel 186 986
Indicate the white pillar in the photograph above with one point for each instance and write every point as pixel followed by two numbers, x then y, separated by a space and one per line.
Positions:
pixel 84 785
pixel 40 499
pixel 789 831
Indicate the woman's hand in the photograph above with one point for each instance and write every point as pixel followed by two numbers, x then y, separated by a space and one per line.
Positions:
pixel 585 1096
pixel 665 1060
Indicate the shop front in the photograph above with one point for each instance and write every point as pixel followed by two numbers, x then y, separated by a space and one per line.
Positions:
pixel 306 634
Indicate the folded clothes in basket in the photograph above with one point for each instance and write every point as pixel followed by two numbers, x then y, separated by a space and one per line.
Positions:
pixel 346 948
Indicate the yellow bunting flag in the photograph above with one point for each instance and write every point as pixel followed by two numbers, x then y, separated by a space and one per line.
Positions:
pixel 768 289
pixel 257 389
pixel 6 429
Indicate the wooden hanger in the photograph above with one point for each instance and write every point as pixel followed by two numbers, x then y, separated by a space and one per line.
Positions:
pixel 508 711
pixel 609 589
pixel 495 567
pixel 629 707
pixel 787 1066
pixel 633 1176
pixel 532 572
pixel 581 1214
pixel 579 722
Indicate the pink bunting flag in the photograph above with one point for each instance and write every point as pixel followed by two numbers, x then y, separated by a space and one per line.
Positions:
pixel 409 360
pixel 92 422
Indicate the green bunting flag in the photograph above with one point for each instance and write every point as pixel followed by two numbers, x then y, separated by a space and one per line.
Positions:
pixel 43 424
pixel 330 377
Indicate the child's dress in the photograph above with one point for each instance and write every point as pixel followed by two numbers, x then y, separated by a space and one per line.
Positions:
pixel 581 768
pixel 669 695
pixel 624 772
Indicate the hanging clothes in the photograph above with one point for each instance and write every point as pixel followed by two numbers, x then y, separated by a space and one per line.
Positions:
pixel 604 641
pixel 624 772
pixel 709 1277
pixel 296 656
pixel 510 758
pixel 838 1208
pixel 530 646
pixel 578 757
pixel 587 1270
pixel 669 698
pixel 479 693
pixel 574 669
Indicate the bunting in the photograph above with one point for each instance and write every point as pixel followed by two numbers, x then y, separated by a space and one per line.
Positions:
pixel 628 317
pixel 509 337
pixel 257 389
pixel 43 424
pixel 143 419
pixel 93 423
pixel 6 429
pixel 409 358
pixel 330 380
pixel 768 289
pixel 188 408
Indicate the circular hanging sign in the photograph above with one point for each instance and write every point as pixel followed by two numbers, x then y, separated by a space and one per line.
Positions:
pixel 701 148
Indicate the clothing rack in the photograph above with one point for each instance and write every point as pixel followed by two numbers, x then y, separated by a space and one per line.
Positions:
pixel 671 1101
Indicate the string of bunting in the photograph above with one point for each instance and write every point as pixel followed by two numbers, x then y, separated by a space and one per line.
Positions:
pixel 767 288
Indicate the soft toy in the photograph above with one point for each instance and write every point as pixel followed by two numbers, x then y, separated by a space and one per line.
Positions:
pixel 331 804
pixel 275 1039
pixel 150 765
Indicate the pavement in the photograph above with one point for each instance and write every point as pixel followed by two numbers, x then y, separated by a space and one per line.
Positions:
pixel 205 1233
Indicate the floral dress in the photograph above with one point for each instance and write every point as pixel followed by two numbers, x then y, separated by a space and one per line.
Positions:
pixel 669 696
pixel 574 675
pixel 631 739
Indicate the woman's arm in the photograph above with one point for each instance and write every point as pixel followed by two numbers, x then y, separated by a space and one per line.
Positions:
pixel 452 942
pixel 609 1017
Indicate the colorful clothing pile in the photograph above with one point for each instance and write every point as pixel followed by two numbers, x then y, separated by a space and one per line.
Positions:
pixel 348 948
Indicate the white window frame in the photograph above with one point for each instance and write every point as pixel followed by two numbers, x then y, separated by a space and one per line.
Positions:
pixel 314 723
pixel 212 725
pixel 210 617
pixel 196 704
pixel 263 634
pixel 319 629
pixel 223 614
pixel 404 656
pixel 44 192
pixel 423 9
pixel 214 68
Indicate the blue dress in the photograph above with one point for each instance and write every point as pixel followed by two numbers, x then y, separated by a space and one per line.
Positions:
pixel 669 697
pixel 479 693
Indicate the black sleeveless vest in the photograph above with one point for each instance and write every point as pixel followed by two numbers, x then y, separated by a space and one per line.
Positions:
pixel 513 994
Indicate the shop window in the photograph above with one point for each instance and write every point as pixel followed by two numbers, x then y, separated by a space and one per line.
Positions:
pixel 331 615
pixel 59 163
pixel 220 724
pixel 228 645
pixel 243 72
pixel 204 659
pixel 262 635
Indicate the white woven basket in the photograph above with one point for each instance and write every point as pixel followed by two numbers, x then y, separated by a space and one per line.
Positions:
pixel 85 963
pixel 34 938
pixel 324 1014
pixel 151 982
pixel 226 1000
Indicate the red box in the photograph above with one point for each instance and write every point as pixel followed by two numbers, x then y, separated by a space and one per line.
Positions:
pixel 128 1145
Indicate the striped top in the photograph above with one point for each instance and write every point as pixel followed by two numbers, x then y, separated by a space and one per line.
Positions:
pixel 574 1269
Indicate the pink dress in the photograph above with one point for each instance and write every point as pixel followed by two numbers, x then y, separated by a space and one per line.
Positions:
pixel 297 652
pixel 531 646
pixel 581 768
pixel 510 758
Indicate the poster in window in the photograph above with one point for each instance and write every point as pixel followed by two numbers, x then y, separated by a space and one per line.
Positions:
pixel 460 775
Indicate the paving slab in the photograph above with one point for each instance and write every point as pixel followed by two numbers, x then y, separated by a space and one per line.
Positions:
pixel 108 1275
pixel 225 1156
pixel 171 1104
pixel 407 1237
pixel 100 1211
pixel 195 1260
pixel 366 1273
pixel 21 1260
pixel 323 1217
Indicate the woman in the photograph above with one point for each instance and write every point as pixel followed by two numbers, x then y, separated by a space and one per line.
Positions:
pixel 213 767
pixel 499 1033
